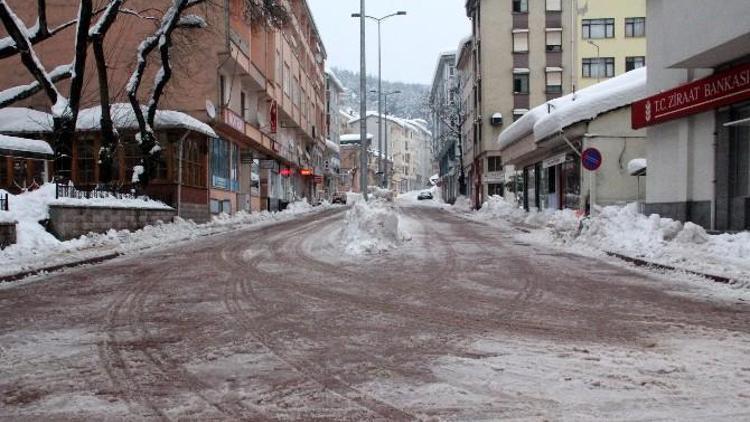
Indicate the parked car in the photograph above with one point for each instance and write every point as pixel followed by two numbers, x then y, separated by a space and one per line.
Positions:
pixel 424 195
pixel 338 198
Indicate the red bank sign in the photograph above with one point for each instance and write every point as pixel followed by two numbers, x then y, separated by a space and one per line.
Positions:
pixel 717 90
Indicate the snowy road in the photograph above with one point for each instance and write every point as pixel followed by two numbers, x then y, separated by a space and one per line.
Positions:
pixel 463 322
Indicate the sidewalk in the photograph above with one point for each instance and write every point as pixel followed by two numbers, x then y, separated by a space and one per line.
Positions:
pixel 19 262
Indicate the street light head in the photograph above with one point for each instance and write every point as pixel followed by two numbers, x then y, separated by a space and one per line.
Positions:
pixel 396 92
pixel 401 12
pixel 356 15
pixel 373 91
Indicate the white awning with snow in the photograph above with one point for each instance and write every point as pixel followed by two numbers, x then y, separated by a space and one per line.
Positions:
pixel 637 167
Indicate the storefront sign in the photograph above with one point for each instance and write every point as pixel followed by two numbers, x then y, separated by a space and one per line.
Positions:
pixel 494 176
pixel 723 88
pixel 306 172
pixel 285 172
pixel 553 161
pixel 591 159
pixel 234 121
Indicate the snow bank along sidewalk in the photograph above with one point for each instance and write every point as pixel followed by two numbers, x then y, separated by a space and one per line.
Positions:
pixel 37 249
pixel 625 231
pixel 371 227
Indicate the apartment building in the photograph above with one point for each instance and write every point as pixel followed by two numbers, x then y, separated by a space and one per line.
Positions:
pixel 610 39
pixel 522 51
pixel 332 166
pixel 467 91
pixel 444 139
pixel 261 90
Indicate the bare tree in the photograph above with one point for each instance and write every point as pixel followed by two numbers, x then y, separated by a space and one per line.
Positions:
pixel 448 111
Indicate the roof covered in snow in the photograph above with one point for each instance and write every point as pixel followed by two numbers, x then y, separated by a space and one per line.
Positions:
pixel 335 80
pixel 23 120
pixel 333 146
pixel 551 117
pixel 24 148
pixel 352 137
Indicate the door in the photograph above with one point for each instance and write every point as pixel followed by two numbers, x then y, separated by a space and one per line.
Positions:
pixel 739 171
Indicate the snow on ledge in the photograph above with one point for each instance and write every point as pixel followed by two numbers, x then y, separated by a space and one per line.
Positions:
pixel 637 166
pixel 551 117
pixel 24 120
pixel 26 145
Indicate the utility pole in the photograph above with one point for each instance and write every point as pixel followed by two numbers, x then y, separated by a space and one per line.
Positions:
pixel 362 102
pixel 381 123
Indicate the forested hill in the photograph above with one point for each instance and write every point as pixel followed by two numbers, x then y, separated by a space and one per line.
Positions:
pixel 411 103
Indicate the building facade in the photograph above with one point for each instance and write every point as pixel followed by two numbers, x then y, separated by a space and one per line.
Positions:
pixel 523 57
pixel 697 117
pixel 610 39
pixel 444 137
pixel 261 89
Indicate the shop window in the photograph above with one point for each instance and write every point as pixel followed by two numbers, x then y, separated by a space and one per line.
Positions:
pixel 598 28
pixel 224 164
pixel 193 169
pixel 520 6
pixel 635 27
pixel 632 63
pixel 554 81
pixel 571 179
pixel 520 83
pixel 20 172
pixel 86 162
pixel 553 39
pixel 553 5
pixel 494 164
pixel 602 67
pixel 495 189
pixel 520 40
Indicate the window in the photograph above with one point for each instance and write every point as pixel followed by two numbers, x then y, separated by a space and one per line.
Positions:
pixel 603 67
pixel 3 171
pixel 192 164
pixel 295 91
pixel 224 164
pixel 520 83
pixel 635 62
pixel 494 164
pixel 554 39
pixel 86 162
pixel 520 6
pixel 243 105
pixel 518 113
pixel 222 90
pixel 598 28
pixel 554 5
pixel 554 80
pixel 520 40
pixel 635 27
pixel 132 155
pixel 278 67
pixel 287 80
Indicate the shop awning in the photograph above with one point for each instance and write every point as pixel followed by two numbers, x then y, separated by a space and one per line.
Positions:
pixel 33 149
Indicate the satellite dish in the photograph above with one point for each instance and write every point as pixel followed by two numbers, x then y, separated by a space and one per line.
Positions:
pixel 210 109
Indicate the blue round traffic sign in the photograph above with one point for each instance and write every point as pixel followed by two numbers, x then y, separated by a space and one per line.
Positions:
pixel 591 159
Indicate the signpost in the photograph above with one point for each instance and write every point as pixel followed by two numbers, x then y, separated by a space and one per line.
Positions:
pixel 591 160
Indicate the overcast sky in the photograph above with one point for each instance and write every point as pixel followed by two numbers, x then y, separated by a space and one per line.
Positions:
pixel 411 43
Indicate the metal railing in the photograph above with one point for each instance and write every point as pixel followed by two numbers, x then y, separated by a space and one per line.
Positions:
pixel 4 203
pixel 63 190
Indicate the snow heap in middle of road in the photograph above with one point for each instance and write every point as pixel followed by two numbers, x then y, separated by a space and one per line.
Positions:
pixel 371 227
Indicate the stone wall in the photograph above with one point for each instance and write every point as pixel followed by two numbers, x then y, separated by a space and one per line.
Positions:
pixel 7 234
pixel 69 222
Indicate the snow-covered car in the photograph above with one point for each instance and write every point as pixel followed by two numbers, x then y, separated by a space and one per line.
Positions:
pixel 338 198
pixel 424 195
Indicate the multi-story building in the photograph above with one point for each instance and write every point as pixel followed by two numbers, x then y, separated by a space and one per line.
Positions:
pixel 697 118
pixel 334 91
pixel 610 39
pixel 467 90
pixel 523 59
pixel 261 89
pixel 408 141
pixel 444 137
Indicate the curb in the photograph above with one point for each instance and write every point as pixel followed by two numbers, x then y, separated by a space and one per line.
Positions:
pixel 642 263
pixel 53 268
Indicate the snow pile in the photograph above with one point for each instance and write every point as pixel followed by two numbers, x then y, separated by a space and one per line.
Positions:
pixel 380 193
pixel 37 249
pixel 463 204
pixel 371 227
pixel 623 230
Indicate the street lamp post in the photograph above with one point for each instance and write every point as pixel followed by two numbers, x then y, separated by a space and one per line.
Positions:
pixel 362 102
pixel 380 82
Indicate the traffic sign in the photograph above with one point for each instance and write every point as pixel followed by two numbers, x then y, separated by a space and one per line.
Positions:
pixel 591 159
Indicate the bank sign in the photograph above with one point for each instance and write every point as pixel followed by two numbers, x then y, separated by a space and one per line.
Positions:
pixel 720 89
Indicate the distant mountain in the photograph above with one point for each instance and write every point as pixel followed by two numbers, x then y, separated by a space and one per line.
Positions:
pixel 411 103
